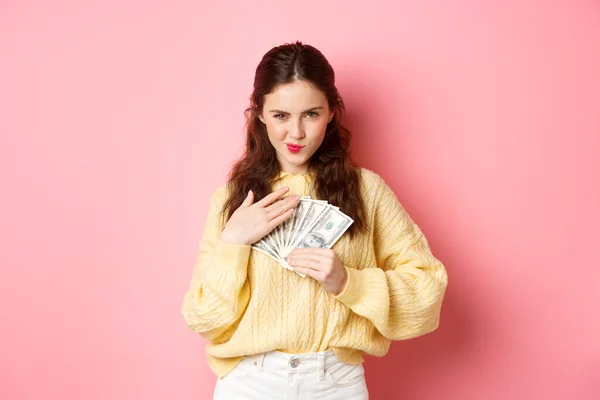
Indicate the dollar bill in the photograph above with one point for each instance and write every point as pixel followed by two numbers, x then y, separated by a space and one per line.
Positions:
pixel 326 229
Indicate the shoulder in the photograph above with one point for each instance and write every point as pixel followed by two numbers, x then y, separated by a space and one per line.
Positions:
pixel 221 192
pixel 218 196
pixel 376 192
pixel 371 182
pixel 217 200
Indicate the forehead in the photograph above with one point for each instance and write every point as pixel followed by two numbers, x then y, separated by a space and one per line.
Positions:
pixel 296 96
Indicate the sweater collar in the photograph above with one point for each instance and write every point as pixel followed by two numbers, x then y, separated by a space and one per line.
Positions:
pixel 306 176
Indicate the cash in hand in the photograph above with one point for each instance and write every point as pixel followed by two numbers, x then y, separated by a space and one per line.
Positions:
pixel 315 223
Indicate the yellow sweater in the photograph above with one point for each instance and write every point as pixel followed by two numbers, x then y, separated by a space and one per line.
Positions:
pixel 243 302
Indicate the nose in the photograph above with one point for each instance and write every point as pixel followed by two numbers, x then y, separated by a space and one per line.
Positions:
pixel 297 130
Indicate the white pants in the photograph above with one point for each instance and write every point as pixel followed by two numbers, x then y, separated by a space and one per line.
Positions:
pixel 282 376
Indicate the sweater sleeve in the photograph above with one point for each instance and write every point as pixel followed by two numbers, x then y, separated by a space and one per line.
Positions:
pixel 219 291
pixel 403 296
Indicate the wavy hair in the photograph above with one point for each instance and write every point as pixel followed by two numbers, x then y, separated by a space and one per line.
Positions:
pixel 337 177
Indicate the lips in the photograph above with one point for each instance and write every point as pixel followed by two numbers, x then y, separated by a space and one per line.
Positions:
pixel 294 148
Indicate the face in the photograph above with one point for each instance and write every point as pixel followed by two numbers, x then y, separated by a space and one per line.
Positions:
pixel 314 241
pixel 296 116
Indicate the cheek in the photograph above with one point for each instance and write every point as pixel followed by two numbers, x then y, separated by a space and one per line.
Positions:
pixel 318 131
pixel 276 131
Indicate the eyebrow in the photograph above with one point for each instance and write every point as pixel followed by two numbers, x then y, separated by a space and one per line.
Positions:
pixel 303 112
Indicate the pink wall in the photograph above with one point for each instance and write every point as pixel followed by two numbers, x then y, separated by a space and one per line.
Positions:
pixel 118 119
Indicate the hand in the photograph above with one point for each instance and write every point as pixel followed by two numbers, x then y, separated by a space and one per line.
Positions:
pixel 322 265
pixel 250 222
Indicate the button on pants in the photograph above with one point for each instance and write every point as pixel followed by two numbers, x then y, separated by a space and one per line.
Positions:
pixel 282 376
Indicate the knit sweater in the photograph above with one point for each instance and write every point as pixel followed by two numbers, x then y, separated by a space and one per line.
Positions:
pixel 244 302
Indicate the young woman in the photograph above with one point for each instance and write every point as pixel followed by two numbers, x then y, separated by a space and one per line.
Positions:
pixel 276 334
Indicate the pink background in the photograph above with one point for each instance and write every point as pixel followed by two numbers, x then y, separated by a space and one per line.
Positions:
pixel 119 118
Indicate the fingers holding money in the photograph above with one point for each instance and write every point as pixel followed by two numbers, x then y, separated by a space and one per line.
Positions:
pixel 313 258
pixel 321 265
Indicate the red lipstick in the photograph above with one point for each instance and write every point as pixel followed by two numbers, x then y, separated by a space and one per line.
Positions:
pixel 294 148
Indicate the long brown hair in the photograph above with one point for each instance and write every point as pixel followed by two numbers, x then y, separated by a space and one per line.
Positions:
pixel 337 178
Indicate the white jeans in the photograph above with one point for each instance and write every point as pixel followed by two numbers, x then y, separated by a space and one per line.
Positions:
pixel 282 376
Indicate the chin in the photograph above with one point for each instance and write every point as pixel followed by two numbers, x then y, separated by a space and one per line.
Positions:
pixel 296 164
pixel 294 160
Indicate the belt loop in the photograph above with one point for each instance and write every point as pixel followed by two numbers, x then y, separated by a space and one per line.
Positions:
pixel 321 366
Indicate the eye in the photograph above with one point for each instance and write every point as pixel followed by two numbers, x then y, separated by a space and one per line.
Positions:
pixel 312 114
pixel 279 116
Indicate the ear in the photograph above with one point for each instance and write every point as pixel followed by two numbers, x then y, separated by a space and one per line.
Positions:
pixel 261 119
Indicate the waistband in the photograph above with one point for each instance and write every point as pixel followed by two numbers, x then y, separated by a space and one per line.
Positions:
pixel 303 362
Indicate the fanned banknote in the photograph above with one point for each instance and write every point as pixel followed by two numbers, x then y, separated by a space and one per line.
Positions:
pixel 315 223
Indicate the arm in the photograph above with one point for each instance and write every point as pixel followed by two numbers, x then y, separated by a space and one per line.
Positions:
pixel 219 291
pixel 403 296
